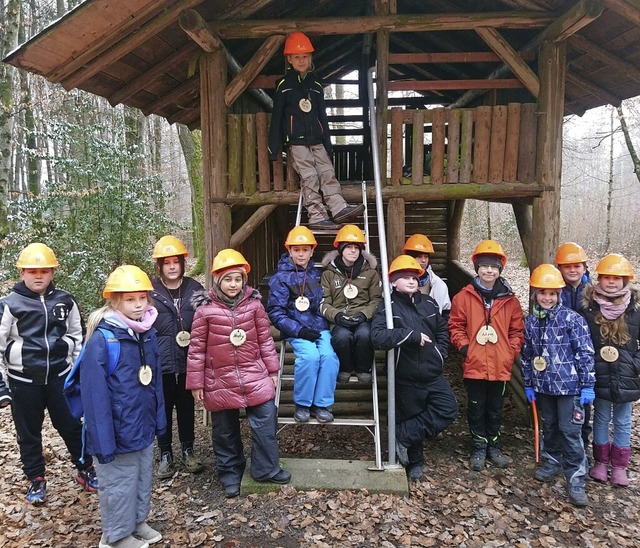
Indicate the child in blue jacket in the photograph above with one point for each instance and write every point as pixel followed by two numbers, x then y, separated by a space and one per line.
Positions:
pixel 124 410
pixel 293 307
pixel 558 373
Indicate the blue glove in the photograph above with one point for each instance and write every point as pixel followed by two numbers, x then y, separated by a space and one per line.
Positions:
pixel 530 393
pixel 587 395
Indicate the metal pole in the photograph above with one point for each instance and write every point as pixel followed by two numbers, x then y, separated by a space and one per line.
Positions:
pixel 384 261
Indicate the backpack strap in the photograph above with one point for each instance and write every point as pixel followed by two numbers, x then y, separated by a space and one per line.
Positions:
pixel 113 349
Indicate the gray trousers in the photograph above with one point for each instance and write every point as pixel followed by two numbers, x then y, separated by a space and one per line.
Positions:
pixel 125 492
pixel 317 181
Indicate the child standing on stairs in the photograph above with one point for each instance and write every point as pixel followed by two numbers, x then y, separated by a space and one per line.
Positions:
pixel 612 310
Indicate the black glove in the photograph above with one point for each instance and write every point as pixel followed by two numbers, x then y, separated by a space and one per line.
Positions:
pixel 464 350
pixel 342 320
pixel 272 157
pixel 309 334
pixel 360 318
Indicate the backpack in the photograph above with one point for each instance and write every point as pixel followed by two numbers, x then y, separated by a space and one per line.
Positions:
pixel 72 389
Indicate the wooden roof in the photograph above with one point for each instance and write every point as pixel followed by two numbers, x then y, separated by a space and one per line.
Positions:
pixel 135 51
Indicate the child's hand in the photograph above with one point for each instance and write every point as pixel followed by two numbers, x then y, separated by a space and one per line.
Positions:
pixel 530 393
pixel 275 381
pixel 424 339
pixel 587 395
pixel 309 334
pixel 198 394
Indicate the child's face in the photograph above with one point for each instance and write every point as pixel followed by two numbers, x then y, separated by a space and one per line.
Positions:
pixel 301 62
pixel 134 304
pixel 547 298
pixel 171 269
pixel 301 254
pixel 37 279
pixel 423 260
pixel 611 284
pixel 572 273
pixel 407 284
pixel 231 284
pixel 350 254
pixel 488 274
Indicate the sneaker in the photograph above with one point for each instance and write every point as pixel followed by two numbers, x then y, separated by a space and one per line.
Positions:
pixel 577 496
pixel 402 453
pixel 416 472
pixel 301 414
pixel 364 378
pixel 37 492
pixel 88 479
pixel 167 468
pixel 280 478
pixel 145 532
pixel 343 377
pixel 348 213
pixel 126 542
pixel 322 414
pixel 191 462
pixel 232 491
pixel 496 457
pixel 547 471
pixel 326 224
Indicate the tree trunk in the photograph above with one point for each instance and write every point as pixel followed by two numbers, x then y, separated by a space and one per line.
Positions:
pixel 629 142
pixel 607 237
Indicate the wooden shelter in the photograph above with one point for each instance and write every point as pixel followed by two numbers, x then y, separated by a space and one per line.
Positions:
pixel 501 72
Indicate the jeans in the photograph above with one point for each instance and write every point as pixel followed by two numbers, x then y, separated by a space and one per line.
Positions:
pixel 604 413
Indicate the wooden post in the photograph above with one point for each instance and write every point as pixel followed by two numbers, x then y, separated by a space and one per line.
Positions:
pixel 546 209
pixel 510 171
pixel 453 145
pixel 395 227
pixel 498 141
pixel 466 145
pixel 249 154
pixel 234 153
pixel 527 146
pixel 217 219
pixel 262 125
pixel 453 234
pixel 397 152
pixel 417 162
pixel 438 135
pixel 482 139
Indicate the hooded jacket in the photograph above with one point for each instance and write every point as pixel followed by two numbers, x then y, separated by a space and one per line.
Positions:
pixel 432 284
pixel 40 335
pixel 333 282
pixel 232 377
pixel 121 415
pixel 562 338
pixel 289 123
pixel 572 296
pixel 619 381
pixel 491 362
pixel 284 289
pixel 415 365
pixel 169 322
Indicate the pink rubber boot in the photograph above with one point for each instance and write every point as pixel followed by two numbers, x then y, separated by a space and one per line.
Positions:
pixel 619 460
pixel 600 470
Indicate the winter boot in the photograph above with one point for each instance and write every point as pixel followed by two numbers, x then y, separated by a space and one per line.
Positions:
pixel 478 455
pixel 619 460
pixel 600 470
pixel 167 468
pixel 496 457
pixel 191 462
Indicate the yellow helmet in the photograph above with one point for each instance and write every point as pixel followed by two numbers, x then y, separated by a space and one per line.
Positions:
pixel 228 258
pixel 297 42
pixel 614 264
pixel 546 276
pixel 405 262
pixel 489 247
pixel 125 279
pixel 571 253
pixel 169 246
pixel 349 234
pixel 37 255
pixel 300 235
pixel 418 243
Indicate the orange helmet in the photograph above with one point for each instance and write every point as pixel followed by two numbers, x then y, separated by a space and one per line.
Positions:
pixel 126 279
pixel 546 276
pixel 571 253
pixel 349 234
pixel 37 255
pixel 228 258
pixel 614 264
pixel 418 243
pixel 169 246
pixel 297 42
pixel 405 262
pixel 489 247
pixel 300 235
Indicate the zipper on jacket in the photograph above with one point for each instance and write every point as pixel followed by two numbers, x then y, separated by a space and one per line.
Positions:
pixel 46 338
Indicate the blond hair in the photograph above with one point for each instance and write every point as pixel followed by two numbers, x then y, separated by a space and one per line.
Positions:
pixel 112 303
pixel 615 331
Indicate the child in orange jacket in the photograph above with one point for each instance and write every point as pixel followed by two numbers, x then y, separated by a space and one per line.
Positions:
pixel 486 326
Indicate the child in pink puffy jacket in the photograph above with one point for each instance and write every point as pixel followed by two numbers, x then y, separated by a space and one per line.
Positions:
pixel 232 364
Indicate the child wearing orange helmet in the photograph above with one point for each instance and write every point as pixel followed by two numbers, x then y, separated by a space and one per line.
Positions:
pixel 299 120
pixel 557 369
pixel 425 403
pixel 612 309
pixel 486 326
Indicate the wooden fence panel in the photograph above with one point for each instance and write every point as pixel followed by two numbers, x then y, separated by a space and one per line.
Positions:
pixel 417 163
pixel 438 146
pixel 498 140
pixel 481 145
pixel 264 175
pixel 249 154
pixel 234 151
pixel 510 172
pixel 466 145
pixel 527 148
pixel 453 145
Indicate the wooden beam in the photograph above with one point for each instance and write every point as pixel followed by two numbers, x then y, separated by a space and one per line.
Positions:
pixel 456 209
pixel 415 85
pixel 593 50
pixel 252 68
pixel 629 9
pixel 522 213
pixel 453 57
pixel 250 225
pixel 87 65
pixel 576 18
pixel 198 30
pixel 189 86
pixel 261 28
pixel 512 59
pixel 593 89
